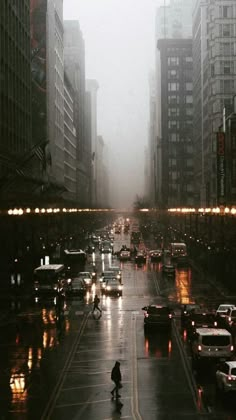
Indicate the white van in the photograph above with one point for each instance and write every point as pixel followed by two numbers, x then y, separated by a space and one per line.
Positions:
pixel 212 343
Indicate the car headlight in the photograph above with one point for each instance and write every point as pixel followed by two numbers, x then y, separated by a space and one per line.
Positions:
pixel 69 281
pixel 120 287
pixel 108 287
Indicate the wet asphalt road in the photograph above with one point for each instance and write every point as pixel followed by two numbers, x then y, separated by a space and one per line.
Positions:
pixel 62 370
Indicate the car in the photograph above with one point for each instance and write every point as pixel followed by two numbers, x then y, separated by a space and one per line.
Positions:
pixel 198 319
pixel 87 277
pixel 124 255
pixel 117 271
pixel 140 257
pixel 212 344
pixel 168 269
pixel 186 311
pixel 230 318
pixel 158 316
pixel 226 376
pixel 222 309
pixel 106 247
pixel 77 287
pixel 112 286
pixel 155 254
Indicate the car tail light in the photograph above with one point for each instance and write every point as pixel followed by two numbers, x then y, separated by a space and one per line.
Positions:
pixel 199 347
pixel 215 323
pixel 232 348
pixel 193 323
pixel 230 319
pixel 231 378
pixel 170 316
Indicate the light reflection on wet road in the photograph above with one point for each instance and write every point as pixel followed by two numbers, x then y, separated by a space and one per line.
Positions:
pixel 68 364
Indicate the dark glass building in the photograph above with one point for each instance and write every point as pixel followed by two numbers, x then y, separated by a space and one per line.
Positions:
pixel 15 97
pixel 176 76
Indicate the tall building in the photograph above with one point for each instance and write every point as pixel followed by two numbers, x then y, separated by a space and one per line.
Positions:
pixel 16 178
pixel 176 122
pixel 173 21
pixel 92 88
pixel 102 174
pixel 70 160
pixel 74 59
pixel 55 92
pixel 214 62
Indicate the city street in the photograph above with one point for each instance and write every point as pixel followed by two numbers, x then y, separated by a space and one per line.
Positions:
pixel 54 369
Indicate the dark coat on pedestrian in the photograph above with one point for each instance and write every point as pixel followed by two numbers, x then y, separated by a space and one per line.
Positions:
pixel 115 373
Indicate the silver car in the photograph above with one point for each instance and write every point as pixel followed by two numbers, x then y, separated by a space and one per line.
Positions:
pixel 226 376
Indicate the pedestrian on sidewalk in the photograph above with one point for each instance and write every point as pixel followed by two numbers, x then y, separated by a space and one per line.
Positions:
pixel 116 378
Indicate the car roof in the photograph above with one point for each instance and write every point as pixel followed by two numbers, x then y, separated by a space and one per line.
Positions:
pixel 212 331
pixel 226 305
pixel 231 363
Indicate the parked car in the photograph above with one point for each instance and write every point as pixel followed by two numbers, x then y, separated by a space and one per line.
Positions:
pixel 112 286
pixel 155 254
pixel 158 316
pixel 226 376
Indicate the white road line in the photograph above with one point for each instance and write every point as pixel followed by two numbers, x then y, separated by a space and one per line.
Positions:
pixel 134 374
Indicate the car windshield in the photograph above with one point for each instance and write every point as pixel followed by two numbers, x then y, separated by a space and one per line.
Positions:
pixel 233 371
pixel 112 282
pixel 219 340
pixel 224 308
pixel 203 318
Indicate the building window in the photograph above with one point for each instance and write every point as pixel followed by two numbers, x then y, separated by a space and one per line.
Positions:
pixel 173 61
pixel 173 99
pixel 173 112
pixel 225 11
pixel 173 86
pixel 189 86
pixel 189 111
pixel 173 137
pixel 173 74
pixel 188 59
pixel 173 124
pixel 189 99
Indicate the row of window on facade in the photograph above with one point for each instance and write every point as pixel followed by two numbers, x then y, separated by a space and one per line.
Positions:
pixel 176 112
pixel 175 60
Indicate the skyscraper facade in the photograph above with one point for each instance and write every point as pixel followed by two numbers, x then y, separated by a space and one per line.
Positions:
pixel 214 63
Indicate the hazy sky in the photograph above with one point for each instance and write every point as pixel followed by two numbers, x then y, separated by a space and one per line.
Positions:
pixel 119 50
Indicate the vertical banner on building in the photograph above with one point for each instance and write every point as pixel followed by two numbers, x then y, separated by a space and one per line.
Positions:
pixel 38 11
pixel 221 180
